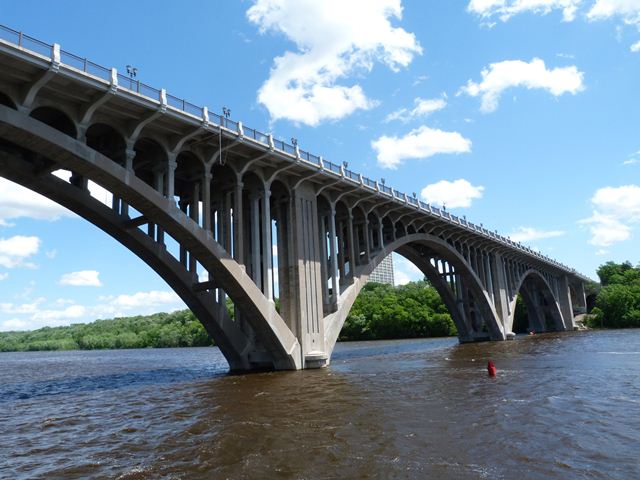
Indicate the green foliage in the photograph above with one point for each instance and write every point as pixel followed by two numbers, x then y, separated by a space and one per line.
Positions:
pixel 384 312
pixel 177 329
pixel 618 301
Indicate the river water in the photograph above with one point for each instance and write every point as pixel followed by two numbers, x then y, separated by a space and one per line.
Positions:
pixel 562 406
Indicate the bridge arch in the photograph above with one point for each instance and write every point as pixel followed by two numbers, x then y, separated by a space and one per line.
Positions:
pixel 541 305
pixel 28 135
pixel 420 248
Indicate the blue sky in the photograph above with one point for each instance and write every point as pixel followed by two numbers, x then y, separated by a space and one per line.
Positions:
pixel 521 115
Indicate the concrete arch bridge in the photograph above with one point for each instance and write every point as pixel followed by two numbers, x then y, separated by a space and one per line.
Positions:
pixel 221 210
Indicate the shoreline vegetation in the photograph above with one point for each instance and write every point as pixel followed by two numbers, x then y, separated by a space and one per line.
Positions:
pixel 381 312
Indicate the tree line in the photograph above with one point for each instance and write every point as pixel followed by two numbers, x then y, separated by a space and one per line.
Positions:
pixel 617 302
pixel 380 312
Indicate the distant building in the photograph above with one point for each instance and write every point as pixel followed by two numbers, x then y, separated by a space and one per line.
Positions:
pixel 383 273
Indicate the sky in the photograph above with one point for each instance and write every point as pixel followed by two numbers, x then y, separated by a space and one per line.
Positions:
pixel 521 115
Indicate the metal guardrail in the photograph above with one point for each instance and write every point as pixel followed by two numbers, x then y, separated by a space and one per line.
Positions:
pixel 84 65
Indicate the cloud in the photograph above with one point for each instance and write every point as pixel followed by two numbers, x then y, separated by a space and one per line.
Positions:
pixel 527 234
pixel 505 9
pixel 17 201
pixel 423 107
pixel 517 73
pixel 83 278
pixel 459 193
pixel 629 10
pixel 602 252
pixel 631 161
pixel 616 211
pixel 405 271
pixel 334 39
pixel 4 276
pixel 39 313
pixel 423 142
pixel 16 250
pixel 635 48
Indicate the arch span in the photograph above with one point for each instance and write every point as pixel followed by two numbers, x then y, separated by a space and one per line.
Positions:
pixel 421 248
pixel 49 149
pixel 542 307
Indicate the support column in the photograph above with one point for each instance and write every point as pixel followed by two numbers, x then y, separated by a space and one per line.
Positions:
pixel 501 301
pixel 238 225
pixel 194 214
pixel 367 243
pixel 564 299
pixel 380 234
pixel 267 244
pixel 352 250
pixel 206 201
pixel 341 253
pixel 255 241
pixel 334 256
pixel 324 268
pixel 171 174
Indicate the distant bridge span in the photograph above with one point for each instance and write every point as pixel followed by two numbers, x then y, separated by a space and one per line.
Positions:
pixel 221 210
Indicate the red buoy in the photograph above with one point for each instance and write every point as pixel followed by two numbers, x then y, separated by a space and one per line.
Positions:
pixel 491 368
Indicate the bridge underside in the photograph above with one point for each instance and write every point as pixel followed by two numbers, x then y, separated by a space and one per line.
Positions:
pixel 221 216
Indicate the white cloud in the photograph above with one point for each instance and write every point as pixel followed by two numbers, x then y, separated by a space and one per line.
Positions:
pixel 39 313
pixel 517 73
pixel 17 201
pixel 526 234
pixel 423 142
pixel 631 161
pixel 616 210
pixel 334 40
pixel 13 324
pixel 629 10
pixel 635 48
pixel 83 278
pixel 423 107
pixel 405 271
pixel 141 299
pixel 602 252
pixel 4 276
pixel 505 9
pixel 14 251
pixel 459 193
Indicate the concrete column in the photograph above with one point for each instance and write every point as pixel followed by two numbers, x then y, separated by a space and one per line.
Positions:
pixel 255 241
pixel 564 299
pixel 341 252
pixel 334 255
pixel 351 238
pixel 183 251
pixel 267 244
pixel 380 234
pixel 324 269
pixel 194 214
pixel 489 285
pixel 238 225
pixel 171 174
pixel 226 220
pixel 498 273
pixel 367 243
pixel 206 201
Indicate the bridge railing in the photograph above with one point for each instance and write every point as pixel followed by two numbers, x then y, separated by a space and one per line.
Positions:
pixel 124 82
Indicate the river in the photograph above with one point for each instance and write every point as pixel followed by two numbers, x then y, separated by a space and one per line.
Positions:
pixel 562 406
